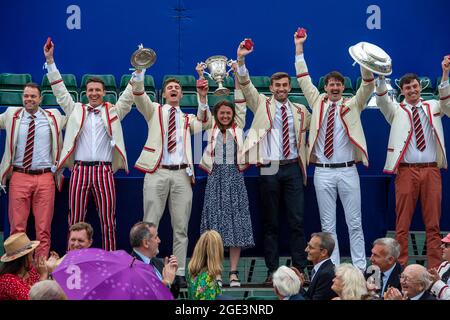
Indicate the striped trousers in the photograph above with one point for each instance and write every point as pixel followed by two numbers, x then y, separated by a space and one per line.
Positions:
pixel 100 180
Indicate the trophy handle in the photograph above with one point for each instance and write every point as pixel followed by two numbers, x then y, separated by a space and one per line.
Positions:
pixel 229 63
pixel 397 83
pixel 424 83
pixel 205 72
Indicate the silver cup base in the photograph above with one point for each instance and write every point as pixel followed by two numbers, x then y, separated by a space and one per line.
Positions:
pixel 222 92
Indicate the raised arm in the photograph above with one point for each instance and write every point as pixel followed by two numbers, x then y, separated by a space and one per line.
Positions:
pixel 248 89
pixel 365 90
pixel 444 87
pixel 386 105
pixel 143 103
pixel 63 97
pixel 202 99
pixel 310 91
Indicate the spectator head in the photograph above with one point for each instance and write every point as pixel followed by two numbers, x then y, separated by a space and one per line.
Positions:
pixel 349 283
pixel 320 247
pixel 385 252
pixel 18 255
pixel 414 280
pixel 144 238
pixel 446 248
pixel 207 255
pixel 47 290
pixel 286 283
pixel 80 236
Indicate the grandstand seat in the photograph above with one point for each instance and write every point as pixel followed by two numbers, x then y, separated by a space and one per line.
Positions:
pixel 11 98
pixel 296 90
pixel 109 97
pixel 438 82
pixel 299 99
pixel 189 100
pixel 48 99
pixel 14 81
pixel 108 79
pixel 261 83
pixel 70 81
pixel 188 82
pixel 212 99
pixel 149 85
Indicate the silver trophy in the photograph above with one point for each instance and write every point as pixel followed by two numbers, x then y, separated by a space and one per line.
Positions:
pixel 371 57
pixel 143 58
pixel 217 65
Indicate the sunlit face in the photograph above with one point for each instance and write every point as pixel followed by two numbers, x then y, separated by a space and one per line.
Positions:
pixel 173 94
pixel 280 89
pixel 337 285
pixel 78 239
pixel 31 99
pixel 381 258
pixel 95 93
pixel 315 253
pixel 412 91
pixel 225 115
pixel 334 88
pixel 153 242
pixel 411 286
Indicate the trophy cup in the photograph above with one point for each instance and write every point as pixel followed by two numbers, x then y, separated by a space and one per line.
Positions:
pixel 371 57
pixel 143 58
pixel 217 66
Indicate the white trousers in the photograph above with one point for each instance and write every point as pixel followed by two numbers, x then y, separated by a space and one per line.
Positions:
pixel 329 182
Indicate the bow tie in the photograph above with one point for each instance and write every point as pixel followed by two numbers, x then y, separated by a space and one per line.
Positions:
pixel 94 110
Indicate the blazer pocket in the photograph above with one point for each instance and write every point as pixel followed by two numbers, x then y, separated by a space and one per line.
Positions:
pixel 114 118
pixel 149 149
pixel 437 114
pixel 390 149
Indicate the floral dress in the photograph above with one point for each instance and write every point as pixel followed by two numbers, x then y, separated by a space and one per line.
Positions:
pixel 203 287
pixel 13 287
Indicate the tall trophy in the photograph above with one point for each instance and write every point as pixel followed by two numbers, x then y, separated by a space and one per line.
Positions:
pixel 143 58
pixel 217 66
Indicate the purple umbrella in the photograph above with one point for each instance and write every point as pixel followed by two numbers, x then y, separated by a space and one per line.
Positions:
pixel 95 274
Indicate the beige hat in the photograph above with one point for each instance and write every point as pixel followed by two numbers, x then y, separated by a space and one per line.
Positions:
pixel 17 246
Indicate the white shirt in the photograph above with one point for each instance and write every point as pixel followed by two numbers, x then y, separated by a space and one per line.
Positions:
pixel 385 278
pixel 42 149
pixel 343 148
pixel 414 155
pixel 147 260
pixel 418 296
pixel 272 144
pixel 317 266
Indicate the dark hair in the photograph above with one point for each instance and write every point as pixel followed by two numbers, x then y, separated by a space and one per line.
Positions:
pixel 326 241
pixel 13 267
pixel 32 85
pixel 278 76
pixel 334 75
pixel 166 82
pixel 79 226
pixel 139 232
pixel 408 78
pixel 216 111
pixel 95 79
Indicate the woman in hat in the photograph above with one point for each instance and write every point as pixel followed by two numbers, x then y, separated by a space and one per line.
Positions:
pixel 441 276
pixel 17 273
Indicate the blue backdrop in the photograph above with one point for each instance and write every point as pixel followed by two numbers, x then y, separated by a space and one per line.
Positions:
pixel 182 33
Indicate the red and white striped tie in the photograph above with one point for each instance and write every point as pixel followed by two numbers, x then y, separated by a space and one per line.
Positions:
pixel 329 150
pixel 284 119
pixel 420 138
pixel 171 137
pixel 28 155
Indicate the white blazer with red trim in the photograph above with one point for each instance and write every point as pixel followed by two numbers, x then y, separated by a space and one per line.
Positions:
pixel 76 115
pixel 400 119
pixel 350 112
pixel 10 121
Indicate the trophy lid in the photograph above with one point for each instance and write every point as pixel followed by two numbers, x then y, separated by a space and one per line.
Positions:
pixel 371 57
pixel 143 58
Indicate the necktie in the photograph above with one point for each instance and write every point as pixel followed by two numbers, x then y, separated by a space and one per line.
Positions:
pixel 381 282
pixel 420 138
pixel 284 120
pixel 94 110
pixel 156 269
pixel 313 272
pixel 28 154
pixel 171 137
pixel 330 132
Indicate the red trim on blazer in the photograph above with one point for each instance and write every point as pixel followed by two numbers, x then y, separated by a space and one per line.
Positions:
pixel 355 143
pixel 381 94
pixel 107 105
pixel 239 101
pixel 437 114
pixel 56 82
pixel 61 163
pixel 244 83
pixel 114 119
pixel 390 149
pixel 302 74
pixel 15 117
pixel 444 98
pixel 149 149
pixel 368 80
pixel 57 133
pixel 138 93
pixel 442 290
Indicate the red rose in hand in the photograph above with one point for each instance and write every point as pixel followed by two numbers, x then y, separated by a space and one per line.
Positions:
pixel 248 44
pixel 48 44
pixel 301 33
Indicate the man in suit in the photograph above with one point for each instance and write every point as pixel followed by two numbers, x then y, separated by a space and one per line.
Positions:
pixel 415 282
pixel 336 141
pixel 319 250
pixel 166 160
pixel 385 252
pixel 93 148
pixel 416 152
pixel 276 144
pixel 32 148
pixel 145 242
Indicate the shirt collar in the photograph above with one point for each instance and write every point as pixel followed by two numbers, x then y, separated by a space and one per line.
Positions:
pixel 145 259
pixel 317 266
pixel 388 272
pixel 418 296
pixel 27 114
pixel 167 107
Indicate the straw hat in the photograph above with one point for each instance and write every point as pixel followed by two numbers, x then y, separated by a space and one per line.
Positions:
pixel 17 246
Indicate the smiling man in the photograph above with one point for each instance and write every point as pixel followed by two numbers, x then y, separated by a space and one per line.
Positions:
pixel 336 142
pixel 32 146
pixel 276 143
pixel 93 148
pixel 416 152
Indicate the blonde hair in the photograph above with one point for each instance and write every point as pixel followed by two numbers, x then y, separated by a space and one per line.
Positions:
pixel 353 282
pixel 207 255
